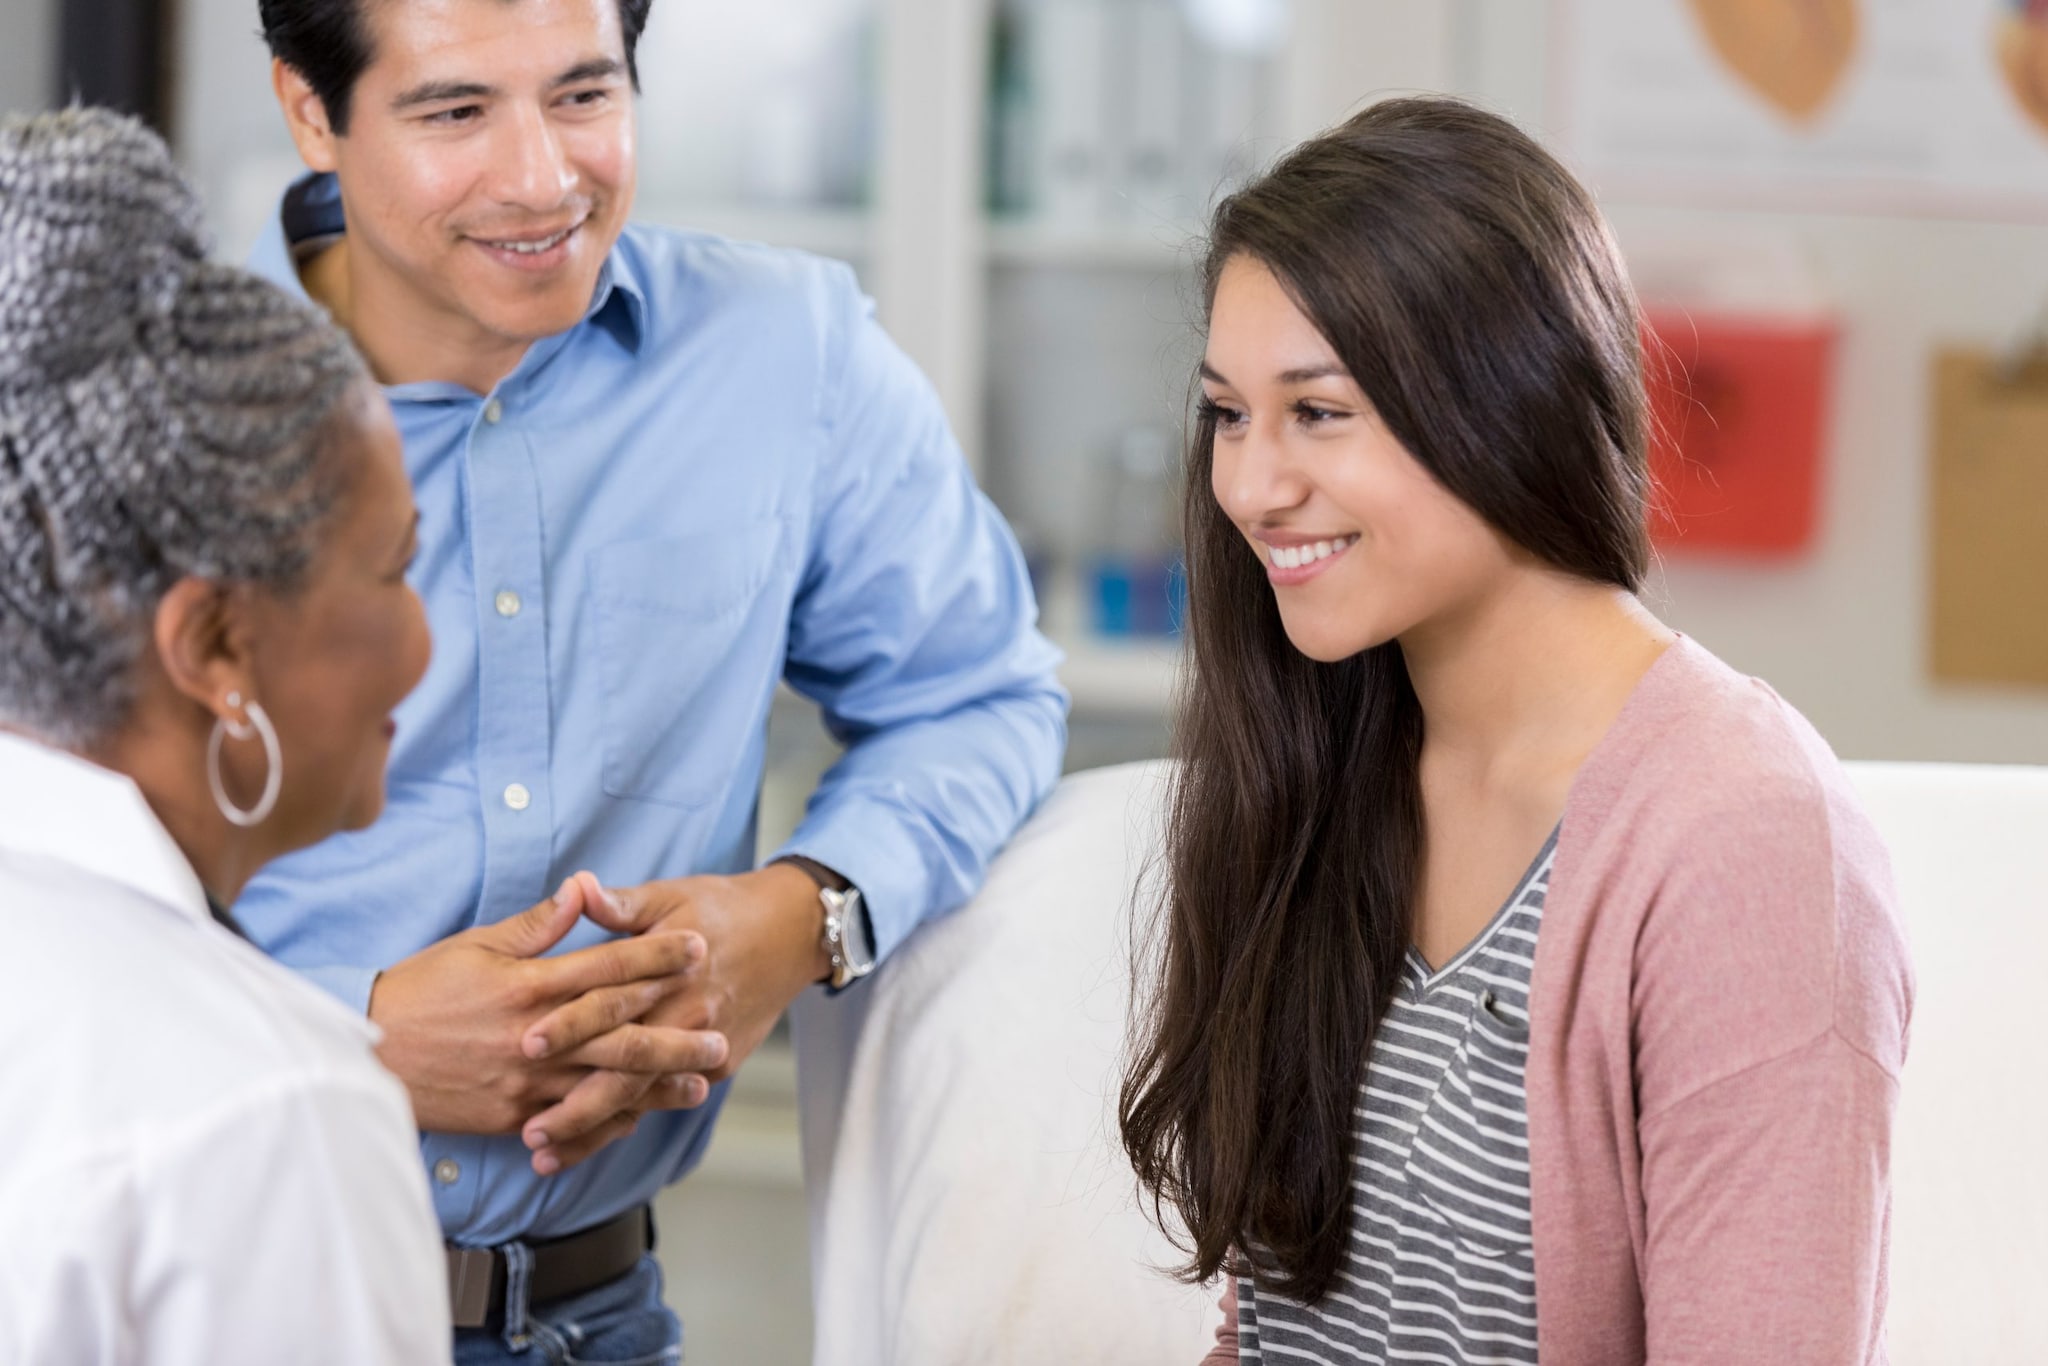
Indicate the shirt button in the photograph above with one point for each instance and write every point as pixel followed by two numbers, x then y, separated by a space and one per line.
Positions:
pixel 508 603
pixel 517 797
pixel 447 1171
pixel 494 412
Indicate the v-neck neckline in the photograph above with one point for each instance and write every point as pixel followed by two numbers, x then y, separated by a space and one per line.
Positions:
pixel 1428 980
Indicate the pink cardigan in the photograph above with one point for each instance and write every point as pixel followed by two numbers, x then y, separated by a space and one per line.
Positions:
pixel 1718 1018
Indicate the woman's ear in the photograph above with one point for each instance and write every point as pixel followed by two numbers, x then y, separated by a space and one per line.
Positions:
pixel 202 643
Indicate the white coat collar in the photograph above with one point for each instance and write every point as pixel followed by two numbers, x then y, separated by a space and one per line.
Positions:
pixel 54 805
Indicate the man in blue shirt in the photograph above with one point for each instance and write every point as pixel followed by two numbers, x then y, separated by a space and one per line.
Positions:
pixel 658 472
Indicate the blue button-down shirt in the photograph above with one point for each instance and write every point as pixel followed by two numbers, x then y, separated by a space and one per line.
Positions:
pixel 725 475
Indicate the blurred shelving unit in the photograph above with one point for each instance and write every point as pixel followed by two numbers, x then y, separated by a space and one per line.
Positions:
pixel 1047 335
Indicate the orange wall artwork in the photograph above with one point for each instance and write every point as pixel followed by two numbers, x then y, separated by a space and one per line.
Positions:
pixel 1793 53
pixel 2023 57
pixel 1917 107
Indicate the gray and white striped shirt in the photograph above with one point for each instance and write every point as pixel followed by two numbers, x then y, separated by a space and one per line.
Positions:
pixel 1440 1266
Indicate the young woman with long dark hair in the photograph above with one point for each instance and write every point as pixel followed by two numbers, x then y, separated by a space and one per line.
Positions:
pixel 1528 981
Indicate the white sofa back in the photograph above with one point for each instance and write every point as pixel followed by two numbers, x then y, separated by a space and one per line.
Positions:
pixel 1969 845
pixel 970 1202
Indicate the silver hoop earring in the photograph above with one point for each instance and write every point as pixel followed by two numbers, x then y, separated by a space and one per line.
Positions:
pixel 273 762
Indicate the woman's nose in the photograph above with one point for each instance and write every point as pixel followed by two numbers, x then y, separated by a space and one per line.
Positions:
pixel 1253 477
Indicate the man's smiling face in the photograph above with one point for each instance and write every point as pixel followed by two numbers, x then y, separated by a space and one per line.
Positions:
pixel 488 163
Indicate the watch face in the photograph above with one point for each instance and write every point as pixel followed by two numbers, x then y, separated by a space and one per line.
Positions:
pixel 860 945
pixel 847 937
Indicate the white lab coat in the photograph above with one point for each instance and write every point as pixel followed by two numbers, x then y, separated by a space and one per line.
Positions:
pixel 201 1160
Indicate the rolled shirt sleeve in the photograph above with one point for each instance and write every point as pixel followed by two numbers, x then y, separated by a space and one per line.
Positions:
pixel 915 631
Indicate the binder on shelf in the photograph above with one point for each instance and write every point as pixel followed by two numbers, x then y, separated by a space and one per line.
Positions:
pixel 1148 182
pixel 1068 47
pixel 1009 115
pixel 1225 111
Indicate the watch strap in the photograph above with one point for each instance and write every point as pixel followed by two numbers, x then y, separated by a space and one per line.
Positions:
pixel 826 879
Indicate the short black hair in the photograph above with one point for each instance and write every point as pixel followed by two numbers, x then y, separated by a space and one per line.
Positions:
pixel 327 42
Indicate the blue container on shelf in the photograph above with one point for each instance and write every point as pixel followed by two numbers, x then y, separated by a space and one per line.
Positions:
pixel 1133 580
pixel 1136 596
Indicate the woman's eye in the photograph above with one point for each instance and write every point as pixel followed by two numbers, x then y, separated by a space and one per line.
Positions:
pixel 1313 415
pixel 1221 414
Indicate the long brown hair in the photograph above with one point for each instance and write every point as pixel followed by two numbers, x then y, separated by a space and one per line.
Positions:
pixel 1471 288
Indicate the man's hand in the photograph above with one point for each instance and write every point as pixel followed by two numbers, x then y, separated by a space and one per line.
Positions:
pixel 457 1017
pixel 762 930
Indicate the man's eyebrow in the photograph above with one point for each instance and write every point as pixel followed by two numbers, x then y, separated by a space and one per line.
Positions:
pixel 434 92
pixel 596 69
pixel 438 92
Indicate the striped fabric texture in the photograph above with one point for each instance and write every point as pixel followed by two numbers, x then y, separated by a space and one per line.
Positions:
pixel 1441 1267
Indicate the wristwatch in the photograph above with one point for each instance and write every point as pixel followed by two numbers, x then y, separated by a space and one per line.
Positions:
pixel 846 937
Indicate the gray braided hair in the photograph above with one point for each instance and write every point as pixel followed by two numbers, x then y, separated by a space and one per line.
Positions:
pixel 161 416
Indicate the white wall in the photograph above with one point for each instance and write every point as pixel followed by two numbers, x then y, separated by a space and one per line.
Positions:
pixel 1842 631
pixel 28 56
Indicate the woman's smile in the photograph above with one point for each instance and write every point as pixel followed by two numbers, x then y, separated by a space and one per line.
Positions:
pixel 1296 560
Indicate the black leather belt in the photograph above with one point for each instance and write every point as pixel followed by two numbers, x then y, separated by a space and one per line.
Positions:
pixel 561 1267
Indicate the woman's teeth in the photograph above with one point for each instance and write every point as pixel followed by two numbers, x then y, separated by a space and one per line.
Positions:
pixel 1294 557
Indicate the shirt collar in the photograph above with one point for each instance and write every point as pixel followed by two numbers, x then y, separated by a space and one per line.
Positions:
pixel 57 806
pixel 310 215
pixel 619 304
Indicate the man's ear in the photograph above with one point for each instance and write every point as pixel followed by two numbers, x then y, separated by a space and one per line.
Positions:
pixel 305 115
pixel 202 644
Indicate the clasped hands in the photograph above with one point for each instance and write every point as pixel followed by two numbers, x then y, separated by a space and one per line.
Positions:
pixel 571 1050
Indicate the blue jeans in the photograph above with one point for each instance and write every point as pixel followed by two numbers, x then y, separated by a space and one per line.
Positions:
pixel 623 1323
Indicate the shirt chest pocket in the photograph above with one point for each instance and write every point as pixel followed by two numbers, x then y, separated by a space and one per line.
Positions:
pixel 1470 1160
pixel 689 633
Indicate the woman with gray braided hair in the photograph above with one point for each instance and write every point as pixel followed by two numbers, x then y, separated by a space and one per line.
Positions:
pixel 204 627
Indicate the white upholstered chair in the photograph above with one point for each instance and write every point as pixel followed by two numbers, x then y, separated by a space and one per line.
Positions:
pixel 970 1203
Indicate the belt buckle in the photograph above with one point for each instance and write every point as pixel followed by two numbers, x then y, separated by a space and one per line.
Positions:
pixel 472 1285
